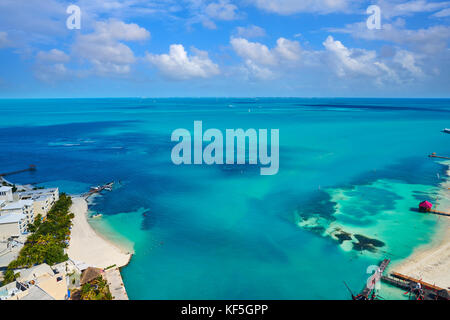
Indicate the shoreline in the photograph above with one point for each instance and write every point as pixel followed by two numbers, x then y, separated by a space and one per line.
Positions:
pixel 88 246
pixel 431 262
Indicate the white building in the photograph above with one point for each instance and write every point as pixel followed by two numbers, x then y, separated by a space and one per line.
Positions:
pixel 18 210
pixel 24 207
pixel 15 217
pixel 6 193
pixel 52 193
pixel 12 224
pixel 37 283
pixel 42 205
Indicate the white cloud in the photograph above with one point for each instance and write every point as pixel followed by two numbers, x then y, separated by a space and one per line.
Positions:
pixel 285 50
pixel 288 50
pixel 51 73
pixel 177 65
pixel 286 7
pixel 250 32
pixel 4 41
pixel 264 63
pixel 443 13
pixel 222 10
pixel 33 18
pixel 50 65
pixel 409 62
pixel 54 55
pixel 253 70
pixel 351 65
pixel 207 12
pixel 253 51
pixel 118 30
pixel 121 9
pixel 104 49
pixel 430 40
pixel 403 67
pixel 395 8
pixel 349 61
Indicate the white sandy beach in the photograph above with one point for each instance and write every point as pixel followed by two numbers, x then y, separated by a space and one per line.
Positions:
pixel 89 247
pixel 431 263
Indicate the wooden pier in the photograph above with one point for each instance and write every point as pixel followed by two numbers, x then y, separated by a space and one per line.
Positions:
pixel 440 213
pixel 434 155
pixel 368 293
pixel 431 211
pixel 417 287
pixel 32 167
pixel 99 189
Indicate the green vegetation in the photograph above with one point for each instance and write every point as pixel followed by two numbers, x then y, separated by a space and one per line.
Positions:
pixel 9 276
pixel 97 289
pixel 36 224
pixel 110 267
pixel 47 243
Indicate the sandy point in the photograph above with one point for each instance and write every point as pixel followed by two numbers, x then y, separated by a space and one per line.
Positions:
pixel 89 247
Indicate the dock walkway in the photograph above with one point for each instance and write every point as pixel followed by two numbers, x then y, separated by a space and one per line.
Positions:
pixel 30 168
pixel 98 189
pixel 439 213
pixel 434 155
pixel 372 281
pixel 116 285
pixel 430 291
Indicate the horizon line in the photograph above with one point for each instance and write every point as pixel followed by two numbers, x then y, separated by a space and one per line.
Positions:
pixel 218 97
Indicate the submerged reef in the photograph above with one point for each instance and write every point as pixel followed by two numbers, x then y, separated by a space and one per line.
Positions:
pixel 366 243
pixel 342 236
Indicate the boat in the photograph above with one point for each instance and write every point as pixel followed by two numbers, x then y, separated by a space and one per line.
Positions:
pixel 98 215
pixel 446 130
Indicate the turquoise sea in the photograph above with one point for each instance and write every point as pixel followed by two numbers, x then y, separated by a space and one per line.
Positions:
pixel 356 166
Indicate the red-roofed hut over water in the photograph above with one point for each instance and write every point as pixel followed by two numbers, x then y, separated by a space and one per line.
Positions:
pixel 425 206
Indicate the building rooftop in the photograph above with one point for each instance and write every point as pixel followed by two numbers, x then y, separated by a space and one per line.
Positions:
pixel 18 204
pixel 38 192
pixel 54 286
pixel 90 274
pixel 35 272
pixel 41 197
pixel 11 218
pixel 5 188
pixel 36 293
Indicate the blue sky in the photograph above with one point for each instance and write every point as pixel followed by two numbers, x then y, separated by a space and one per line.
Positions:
pixel 195 48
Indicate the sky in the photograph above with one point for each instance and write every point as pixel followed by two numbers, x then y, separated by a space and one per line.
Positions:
pixel 224 48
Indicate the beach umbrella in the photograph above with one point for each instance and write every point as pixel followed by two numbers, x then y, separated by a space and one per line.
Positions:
pixel 425 206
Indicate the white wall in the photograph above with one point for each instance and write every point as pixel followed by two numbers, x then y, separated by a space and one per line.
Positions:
pixel 9 229
pixel 7 195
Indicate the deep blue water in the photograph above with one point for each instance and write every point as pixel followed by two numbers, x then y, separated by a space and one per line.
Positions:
pixel 225 232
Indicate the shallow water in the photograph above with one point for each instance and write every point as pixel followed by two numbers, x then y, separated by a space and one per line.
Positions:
pixel 225 232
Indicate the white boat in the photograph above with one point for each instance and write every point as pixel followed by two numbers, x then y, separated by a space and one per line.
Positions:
pixel 446 130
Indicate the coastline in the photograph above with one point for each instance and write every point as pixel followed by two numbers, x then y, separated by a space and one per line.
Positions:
pixel 87 246
pixel 431 262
